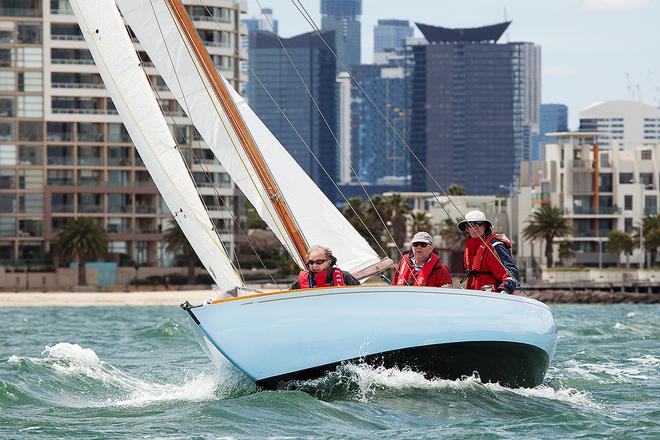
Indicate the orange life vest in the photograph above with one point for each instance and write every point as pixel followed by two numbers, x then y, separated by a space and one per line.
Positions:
pixel 478 274
pixel 407 277
pixel 305 278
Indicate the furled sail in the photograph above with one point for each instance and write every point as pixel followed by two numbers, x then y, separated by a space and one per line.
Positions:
pixel 182 67
pixel 119 66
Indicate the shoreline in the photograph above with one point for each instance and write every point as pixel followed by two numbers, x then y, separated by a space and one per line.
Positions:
pixel 195 297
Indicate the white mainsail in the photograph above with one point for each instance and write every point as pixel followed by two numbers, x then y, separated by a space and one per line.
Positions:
pixel 119 66
pixel 316 217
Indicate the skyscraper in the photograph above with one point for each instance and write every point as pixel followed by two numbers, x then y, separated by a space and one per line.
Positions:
pixel 390 35
pixel 377 153
pixel 475 104
pixel 343 17
pixel 316 65
pixel 263 21
pixel 64 152
pixel 554 118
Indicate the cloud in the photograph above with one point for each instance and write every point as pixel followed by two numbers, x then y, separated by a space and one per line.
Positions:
pixel 616 5
pixel 560 71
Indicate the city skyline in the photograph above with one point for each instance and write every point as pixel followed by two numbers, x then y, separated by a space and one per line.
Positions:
pixel 591 50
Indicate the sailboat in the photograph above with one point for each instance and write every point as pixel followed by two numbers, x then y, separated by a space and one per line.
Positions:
pixel 284 336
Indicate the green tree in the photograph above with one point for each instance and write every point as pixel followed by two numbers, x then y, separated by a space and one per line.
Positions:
pixel 83 240
pixel 253 219
pixel 421 221
pixel 617 242
pixel 456 190
pixel 546 223
pixel 177 243
pixel 565 250
pixel 451 236
pixel 395 210
pixel 651 239
pixel 365 220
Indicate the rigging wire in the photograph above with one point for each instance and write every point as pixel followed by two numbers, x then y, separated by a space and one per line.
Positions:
pixel 390 128
pixel 299 135
pixel 318 109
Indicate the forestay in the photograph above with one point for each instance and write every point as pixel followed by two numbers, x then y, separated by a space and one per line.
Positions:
pixel 119 66
pixel 317 218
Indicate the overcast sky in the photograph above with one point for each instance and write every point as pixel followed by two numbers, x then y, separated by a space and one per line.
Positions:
pixel 592 50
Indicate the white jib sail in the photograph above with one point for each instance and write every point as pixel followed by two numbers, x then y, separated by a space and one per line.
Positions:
pixel 317 218
pixel 119 66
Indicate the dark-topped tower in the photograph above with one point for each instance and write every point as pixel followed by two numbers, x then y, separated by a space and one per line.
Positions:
pixel 343 17
pixel 475 104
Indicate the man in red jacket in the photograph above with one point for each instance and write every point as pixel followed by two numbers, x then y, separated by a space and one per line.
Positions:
pixel 422 266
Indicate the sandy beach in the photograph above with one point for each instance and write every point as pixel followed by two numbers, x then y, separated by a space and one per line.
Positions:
pixel 103 299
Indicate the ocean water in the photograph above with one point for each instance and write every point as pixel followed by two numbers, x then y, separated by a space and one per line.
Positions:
pixel 138 373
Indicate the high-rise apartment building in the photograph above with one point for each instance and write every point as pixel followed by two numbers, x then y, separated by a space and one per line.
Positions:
pixel 343 17
pixel 626 124
pixel 263 21
pixel 64 152
pixel 475 105
pixel 391 35
pixel 310 141
pixel 377 153
pixel 599 190
pixel 553 118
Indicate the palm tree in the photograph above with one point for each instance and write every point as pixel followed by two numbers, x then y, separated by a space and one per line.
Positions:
pixel 451 236
pixel 455 190
pixel 421 221
pixel 546 223
pixel 365 220
pixel 176 242
pixel 617 242
pixel 395 209
pixel 651 226
pixel 81 239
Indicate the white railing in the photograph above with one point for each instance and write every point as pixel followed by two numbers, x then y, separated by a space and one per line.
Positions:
pixel 67 37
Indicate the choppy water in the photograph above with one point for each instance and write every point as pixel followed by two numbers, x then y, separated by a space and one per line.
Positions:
pixel 105 373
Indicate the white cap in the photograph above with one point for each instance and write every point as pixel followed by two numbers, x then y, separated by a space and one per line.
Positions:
pixel 473 217
pixel 422 237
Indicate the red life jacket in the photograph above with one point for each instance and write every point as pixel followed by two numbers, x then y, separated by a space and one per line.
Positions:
pixel 305 278
pixel 407 276
pixel 479 274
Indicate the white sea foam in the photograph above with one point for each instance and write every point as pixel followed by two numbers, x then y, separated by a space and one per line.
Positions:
pixel 646 360
pixel 619 326
pixel 608 371
pixel 370 379
pixel 631 314
pixel 67 359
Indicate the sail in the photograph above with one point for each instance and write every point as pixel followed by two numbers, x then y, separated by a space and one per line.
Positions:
pixel 315 216
pixel 119 66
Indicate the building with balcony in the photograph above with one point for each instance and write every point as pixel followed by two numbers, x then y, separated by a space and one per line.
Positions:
pixel 624 124
pixel 599 190
pixel 64 152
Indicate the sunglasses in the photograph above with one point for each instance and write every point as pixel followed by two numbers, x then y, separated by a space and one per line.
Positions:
pixel 310 262
pixel 476 224
pixel 422 245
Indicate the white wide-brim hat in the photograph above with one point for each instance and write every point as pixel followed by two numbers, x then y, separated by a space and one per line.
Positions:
pixel 475 216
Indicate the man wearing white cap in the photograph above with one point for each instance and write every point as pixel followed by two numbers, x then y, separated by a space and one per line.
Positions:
pixel 422 266
pixel 487 257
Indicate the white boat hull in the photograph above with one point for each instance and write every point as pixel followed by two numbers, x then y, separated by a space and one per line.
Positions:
pixel 447 333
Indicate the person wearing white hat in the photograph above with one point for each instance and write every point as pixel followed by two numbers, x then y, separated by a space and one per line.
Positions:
pixel 422 266
pixel 487 257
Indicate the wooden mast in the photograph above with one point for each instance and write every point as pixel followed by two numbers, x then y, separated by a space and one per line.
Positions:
pixel 244 136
